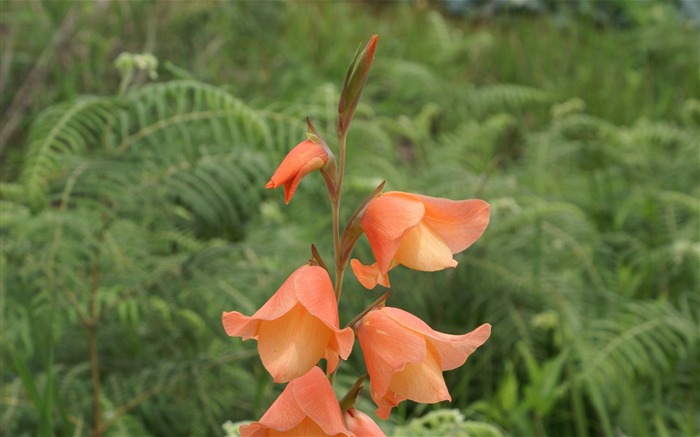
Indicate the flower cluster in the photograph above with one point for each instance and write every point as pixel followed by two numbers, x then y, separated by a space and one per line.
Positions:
pixel 299 325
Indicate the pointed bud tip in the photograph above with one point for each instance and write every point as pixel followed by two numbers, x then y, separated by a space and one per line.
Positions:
pixel 371 47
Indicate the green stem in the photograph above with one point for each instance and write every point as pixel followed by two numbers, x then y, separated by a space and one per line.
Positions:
pixel 339 264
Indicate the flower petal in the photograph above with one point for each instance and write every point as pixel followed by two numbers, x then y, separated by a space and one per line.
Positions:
pixel 386 403
pixel 421 382
pixel 422 249
pixel 291 185
pixel 315 397
pixel 386 219
pixel 314 290
pixel 361 424
pixel 292 344
pixel 341 343
pixel 307 406
pixel 369 276
pixel 284 414
pixel 300 161
pixel 458 222
pixel 452 349
pixel 306 427
pixel 238 325
pixel 386 346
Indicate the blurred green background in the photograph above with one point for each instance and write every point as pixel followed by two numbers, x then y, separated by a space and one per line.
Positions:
pixel 134 213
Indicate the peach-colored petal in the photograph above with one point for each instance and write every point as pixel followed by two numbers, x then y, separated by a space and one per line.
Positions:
pixel 405 358
pixel 452 349
pixel 284 413
pixel 284 299
pixel 420 232
pixel 369 276
pixel 290 345
pixel 306 157
pixel 314 395
pixel 340 345
pixel 306 427
pixel 238 325
pixel 386 403
pixel 361 424
pixel 458 222
pixel 297 327
pixel 421 382
pixel 314 290
pixel 387 347
pixel 291 185
pixel 455 350
pixel 254 429
pixel 385 220
pixel 422 249
pixel 307 406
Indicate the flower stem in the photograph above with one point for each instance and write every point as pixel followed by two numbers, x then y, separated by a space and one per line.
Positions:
pixel 339 264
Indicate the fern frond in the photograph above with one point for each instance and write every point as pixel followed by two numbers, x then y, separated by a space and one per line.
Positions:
pixel 64 129
pixel 165 113
pixel 503 97
pixel 643 338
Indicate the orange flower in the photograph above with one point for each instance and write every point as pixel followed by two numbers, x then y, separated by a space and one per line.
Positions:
pixel 361 424
pixel 405 358
pixel 417 231
pixel 301 160
pixel 306 407
pixel 297 327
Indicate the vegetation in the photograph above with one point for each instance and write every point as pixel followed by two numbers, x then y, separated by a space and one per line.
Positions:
pixel 134 209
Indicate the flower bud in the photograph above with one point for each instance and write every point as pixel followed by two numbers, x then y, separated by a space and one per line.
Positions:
pixel 361 424
pixel 354 83
pixel 306 157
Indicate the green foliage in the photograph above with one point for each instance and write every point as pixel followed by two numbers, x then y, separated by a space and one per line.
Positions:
pixel 147 209
pixel 446 422
pixel 136 200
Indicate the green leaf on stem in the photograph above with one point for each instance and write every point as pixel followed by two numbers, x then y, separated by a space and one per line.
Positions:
pixel 379 303
pixel 353 229
pixel 316 258
pixel 348 401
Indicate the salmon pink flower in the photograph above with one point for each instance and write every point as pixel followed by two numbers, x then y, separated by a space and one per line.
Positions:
pixel 419 232
pixel 306 407
pixel 405 358
pixel 301 160
pixel 297 327
pixel 361 424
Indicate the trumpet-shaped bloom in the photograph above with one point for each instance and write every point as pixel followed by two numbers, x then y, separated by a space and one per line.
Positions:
pixel 361 424
pixel 419 232
pixel 405 358
pixel 304 158
pixel 297 327
pixel 306 407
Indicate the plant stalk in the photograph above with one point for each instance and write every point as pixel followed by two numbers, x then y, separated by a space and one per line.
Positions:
pixel 339 264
